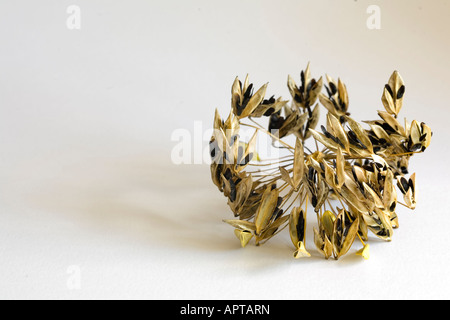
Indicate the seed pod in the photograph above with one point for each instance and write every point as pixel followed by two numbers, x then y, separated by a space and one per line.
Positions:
pixel 242 225
pixel 299 164
pixel 360 133
pixel 343 95
pixel 243 236
pixel 312 122
pixel 393 94
pixel 378 222
pixel 328 219
pixel 323 243
pixel 327 142
pixel 340 167
pixel 268 107
pixel 254 101
pixel 389 193
pixel 373 195
pixel 364 252
pixel 392 122
pixel 388 101
pixel 297 226
pixel 410 194
pixel 338 131
pixel 266 209
pixel 344 233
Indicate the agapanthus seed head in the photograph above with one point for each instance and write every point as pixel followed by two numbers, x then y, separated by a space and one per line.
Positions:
pixel 350 180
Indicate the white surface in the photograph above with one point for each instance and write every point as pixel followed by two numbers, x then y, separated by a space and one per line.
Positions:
pixel 85 123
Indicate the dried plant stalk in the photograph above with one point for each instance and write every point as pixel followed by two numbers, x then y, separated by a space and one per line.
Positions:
pixel 350 181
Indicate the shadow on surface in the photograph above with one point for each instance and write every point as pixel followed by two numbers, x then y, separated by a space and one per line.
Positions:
pixel 146 199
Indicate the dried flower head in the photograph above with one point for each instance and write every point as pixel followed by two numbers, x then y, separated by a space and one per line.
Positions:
pixel 348 180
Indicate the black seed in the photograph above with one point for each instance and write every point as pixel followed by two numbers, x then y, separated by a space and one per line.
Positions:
pixel 415 147
pixel 276 121
pixel 233 190
pixel 388 88
pixel 314 201
pixel 269 112
pixel 212 148
pixel 311 173
pixel 382 233
pixel 334 103
pixel 279 201
pixel 300 226
pixel 353 139
pixel 278 213
pixel 352 136
pixel 354 174
pixel 404 170
pixel 411 185
pixel 269 101
pixel 238 103
pixel 227 174
pixel 388 128
pixel 333 88
pixel 239 109
pixel 328 91
pixel 401 92
pixel 248 93
pixel 329 136
pixel 373 139
pixel 392 207
pixel 273 186
pixel 310 85
pixel 322 166
pixel 335 139
pixel 404 184
pixel 249 158
pixel 422 137
pixel 339 227
pixel 346 232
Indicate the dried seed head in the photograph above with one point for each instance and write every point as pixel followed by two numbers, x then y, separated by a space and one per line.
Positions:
pixel 354 166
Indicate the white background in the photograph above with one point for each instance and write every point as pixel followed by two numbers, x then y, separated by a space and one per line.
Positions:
pixel 86 117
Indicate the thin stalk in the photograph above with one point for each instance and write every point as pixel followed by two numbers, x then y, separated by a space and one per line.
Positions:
pixel 290 148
